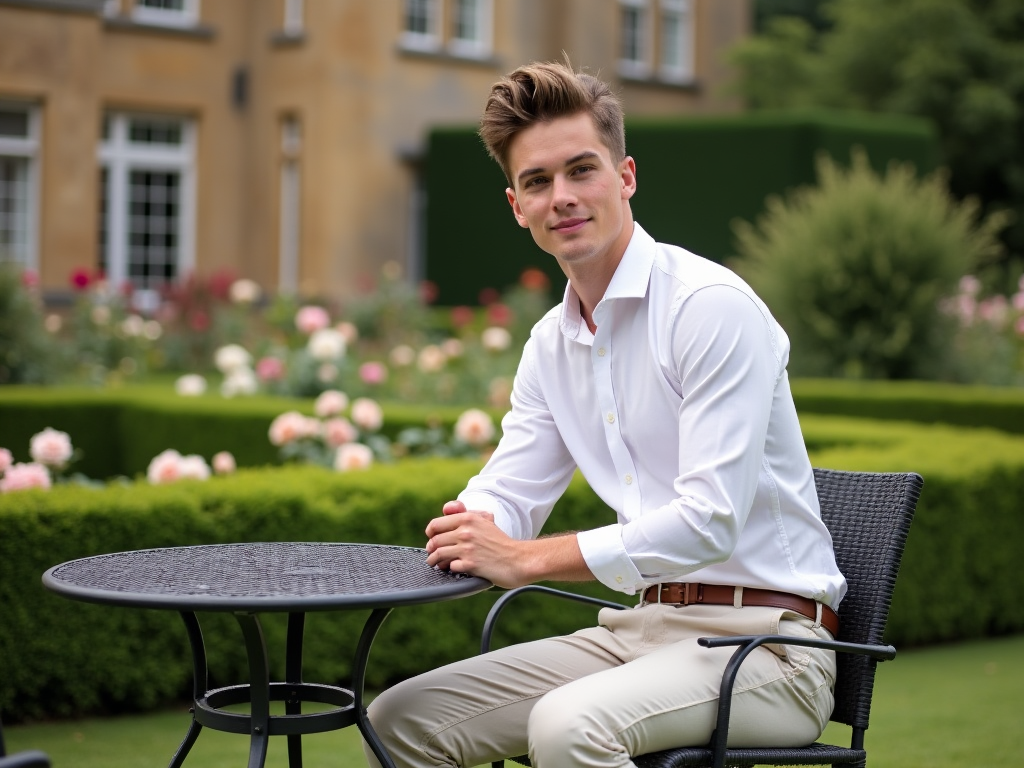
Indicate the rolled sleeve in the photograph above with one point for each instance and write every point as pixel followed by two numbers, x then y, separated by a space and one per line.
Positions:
pixel 607 559
pixel 476 501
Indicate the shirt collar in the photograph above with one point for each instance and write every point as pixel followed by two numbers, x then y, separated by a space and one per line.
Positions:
pixel 630 280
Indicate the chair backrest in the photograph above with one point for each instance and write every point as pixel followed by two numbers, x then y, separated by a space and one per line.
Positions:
pixel 869 516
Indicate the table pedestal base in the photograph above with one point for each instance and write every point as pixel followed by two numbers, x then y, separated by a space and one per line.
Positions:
pixel 208 704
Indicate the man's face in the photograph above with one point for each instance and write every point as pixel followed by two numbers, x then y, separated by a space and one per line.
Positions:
pixel 570 193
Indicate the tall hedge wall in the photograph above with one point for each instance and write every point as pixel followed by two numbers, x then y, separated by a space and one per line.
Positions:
pixel 57 657
pixel 696 175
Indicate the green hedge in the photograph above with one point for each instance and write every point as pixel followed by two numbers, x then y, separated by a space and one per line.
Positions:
pixel 928 402
pixel 120 430
pixel 697 174
pixel 58 657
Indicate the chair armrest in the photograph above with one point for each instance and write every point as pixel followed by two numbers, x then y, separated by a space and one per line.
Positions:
pixel 503 601
pixel 747 644
pixel 30 759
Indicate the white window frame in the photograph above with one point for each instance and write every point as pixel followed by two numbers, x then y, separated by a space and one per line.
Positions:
pixel 188 16
pixel 294 22
pixel 290 206
pixel 27 148
pixel 479 46
pixel 430 40
pixel 640 67
pixel 683 71
pixel 121 157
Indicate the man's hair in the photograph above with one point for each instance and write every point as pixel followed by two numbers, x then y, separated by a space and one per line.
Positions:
pixel 541 92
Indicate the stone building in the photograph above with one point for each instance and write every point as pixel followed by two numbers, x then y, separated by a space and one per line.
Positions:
pixel 282 140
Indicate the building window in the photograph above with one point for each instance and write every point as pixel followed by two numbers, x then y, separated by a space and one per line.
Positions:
pixel 167 13
pixel 19 150
pixel 462 28
pixel 676 52
pixel 471 28
pixel 657 40
pixel 294 21
pixel 147 181
pixel 290 209
pixel 422 25
pixel 636 45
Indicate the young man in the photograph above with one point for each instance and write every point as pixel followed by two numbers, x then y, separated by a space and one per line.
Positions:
pixel 662 377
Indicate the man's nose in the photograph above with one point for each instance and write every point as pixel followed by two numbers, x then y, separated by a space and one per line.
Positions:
pixel 562 193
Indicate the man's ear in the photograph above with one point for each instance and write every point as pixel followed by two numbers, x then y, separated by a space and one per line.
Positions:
pixel 627 176
pixel 516 210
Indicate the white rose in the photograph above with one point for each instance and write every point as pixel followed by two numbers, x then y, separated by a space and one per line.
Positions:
pixel 240 381
pixel 231 356
pixel 352 456
pixel 51 448
pixel 326 344
pixel 496 339
pixel 474 427
pixel 190 385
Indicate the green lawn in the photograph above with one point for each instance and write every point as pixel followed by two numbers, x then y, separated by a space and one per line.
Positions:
pixel 943 707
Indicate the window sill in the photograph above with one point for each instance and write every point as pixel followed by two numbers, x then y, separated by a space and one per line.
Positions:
pixel 443 56
pixel 283 39
pixel 91 7
pixel 654 81
pixel 124 24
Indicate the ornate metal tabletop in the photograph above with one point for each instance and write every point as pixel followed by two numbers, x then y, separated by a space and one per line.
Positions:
pixel 262 576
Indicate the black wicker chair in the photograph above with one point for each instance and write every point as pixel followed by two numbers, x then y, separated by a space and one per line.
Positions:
pixel 868 515
pixel 29 759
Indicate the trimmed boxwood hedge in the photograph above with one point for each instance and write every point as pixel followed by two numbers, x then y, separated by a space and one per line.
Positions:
pixel 59 657
pixel 929 402
pixel 119 430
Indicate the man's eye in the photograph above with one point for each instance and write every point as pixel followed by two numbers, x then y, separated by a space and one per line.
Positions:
pixel 582 169
pixel 535 181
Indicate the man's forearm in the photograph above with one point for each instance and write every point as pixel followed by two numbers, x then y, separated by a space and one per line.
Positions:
pixel 553 558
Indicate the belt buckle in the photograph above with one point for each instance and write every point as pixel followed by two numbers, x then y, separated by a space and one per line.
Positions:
pixel 692 593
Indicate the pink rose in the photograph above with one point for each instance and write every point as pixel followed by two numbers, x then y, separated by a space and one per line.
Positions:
pixel 193 467
pixel 291 426
pixel 352 456
pixel 312 318
pixel 348 332
pixel 431 359
pixel 367 415
pixel 21 477
pixel 270 369
pixel 6 459
pixel 164 468
pixel 339 431
pixel 331 402
pixel 373 373
pixel 51 447
pixel 474 427
pixel 223 463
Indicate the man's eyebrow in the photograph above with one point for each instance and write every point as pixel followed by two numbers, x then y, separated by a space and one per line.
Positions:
pixel 574 159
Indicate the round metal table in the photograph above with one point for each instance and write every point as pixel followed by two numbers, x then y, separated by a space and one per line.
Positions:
pixel 254 578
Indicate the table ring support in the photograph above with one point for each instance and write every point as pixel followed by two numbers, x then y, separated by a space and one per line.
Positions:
pixel 207 709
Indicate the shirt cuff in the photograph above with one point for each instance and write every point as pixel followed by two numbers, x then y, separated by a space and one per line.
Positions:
pixel 484 502
pixel 606 556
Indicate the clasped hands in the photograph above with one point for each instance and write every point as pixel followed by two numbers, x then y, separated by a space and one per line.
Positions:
pixel 470 542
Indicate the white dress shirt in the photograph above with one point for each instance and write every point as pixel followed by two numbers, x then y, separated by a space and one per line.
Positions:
pixel 678 413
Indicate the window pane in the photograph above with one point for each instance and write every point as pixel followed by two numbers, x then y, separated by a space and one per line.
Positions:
pixel 467 20
pixel 632 34
pixel 417 16
pixel 155 132
pixel 153 222
pixel 14 123
pixel 14 209
pixel 164 5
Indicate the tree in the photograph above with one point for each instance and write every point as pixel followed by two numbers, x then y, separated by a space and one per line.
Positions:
pixel 958 62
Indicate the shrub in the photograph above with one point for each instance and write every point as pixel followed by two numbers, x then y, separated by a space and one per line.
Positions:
pixel 855 268
pixel 27 355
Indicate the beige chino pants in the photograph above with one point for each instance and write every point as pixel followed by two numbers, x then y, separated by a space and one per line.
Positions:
pixel 637 683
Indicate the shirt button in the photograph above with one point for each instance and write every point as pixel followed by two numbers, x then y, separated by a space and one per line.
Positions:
pixel 611 418
pixel 601 352
pixel 618 579
pixel 629 479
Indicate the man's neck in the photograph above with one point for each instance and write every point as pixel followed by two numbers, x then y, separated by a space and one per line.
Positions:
pixel 591 281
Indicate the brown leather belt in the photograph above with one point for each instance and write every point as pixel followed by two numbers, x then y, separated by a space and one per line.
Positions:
pixel 683 593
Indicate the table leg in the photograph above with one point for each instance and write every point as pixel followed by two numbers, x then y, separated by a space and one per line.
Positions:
pixel 358 678
pixel 259 687
pixel 293 674
pixel 199 684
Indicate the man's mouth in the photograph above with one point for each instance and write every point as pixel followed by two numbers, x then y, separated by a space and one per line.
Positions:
pixel 569 225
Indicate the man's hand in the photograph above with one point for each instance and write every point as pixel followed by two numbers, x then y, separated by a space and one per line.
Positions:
pixel 470 542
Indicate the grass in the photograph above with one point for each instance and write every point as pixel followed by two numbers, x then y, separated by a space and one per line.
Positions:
pixel 940 707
